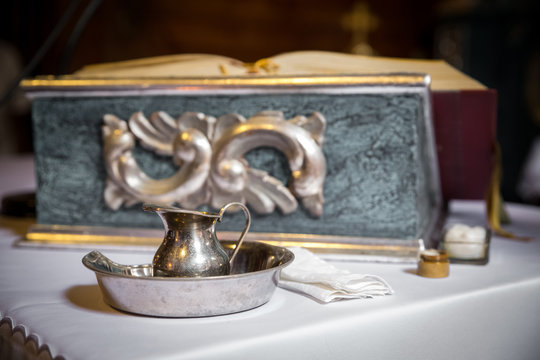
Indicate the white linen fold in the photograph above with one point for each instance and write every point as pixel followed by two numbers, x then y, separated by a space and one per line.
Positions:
pixel 311 275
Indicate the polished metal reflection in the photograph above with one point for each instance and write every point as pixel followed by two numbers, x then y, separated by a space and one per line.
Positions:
pixel 190 247
pixel 210 155
pixel 134 288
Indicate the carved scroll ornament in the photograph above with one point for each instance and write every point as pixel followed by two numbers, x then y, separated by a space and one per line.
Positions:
pixel 209 153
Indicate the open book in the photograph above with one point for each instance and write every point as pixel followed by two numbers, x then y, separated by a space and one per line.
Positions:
pixel 443 76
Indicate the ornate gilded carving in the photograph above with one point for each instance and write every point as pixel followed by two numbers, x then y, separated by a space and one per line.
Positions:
pixel 212 169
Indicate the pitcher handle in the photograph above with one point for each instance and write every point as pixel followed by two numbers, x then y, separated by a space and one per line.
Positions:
pixel 246 227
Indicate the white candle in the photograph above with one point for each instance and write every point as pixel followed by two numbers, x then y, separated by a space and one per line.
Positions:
pixel 465 242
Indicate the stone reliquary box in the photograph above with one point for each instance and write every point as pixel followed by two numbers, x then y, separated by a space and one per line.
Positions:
pixel 342 164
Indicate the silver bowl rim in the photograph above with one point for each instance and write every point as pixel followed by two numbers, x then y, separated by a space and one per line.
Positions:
pixel 288 254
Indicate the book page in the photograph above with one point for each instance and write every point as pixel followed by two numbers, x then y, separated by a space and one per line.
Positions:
pixel 443 76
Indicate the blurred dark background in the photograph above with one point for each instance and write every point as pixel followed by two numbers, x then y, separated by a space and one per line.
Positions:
pixel 496 42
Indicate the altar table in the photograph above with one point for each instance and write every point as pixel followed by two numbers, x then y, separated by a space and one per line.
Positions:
pixel 51 305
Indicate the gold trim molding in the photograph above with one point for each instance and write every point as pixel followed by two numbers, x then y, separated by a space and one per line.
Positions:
pixel 74 83
pixel 89 236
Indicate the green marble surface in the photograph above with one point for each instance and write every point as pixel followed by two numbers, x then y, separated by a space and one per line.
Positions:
pixel 377 181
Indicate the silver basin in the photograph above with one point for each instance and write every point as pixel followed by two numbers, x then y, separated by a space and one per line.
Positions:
pixel 133 288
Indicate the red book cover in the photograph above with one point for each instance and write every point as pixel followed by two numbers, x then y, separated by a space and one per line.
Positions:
pixel 465 134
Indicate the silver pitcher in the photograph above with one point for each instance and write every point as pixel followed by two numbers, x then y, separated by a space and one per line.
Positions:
pixel 190 247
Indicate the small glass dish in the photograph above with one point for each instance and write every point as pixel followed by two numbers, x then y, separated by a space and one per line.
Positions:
pixel 467 252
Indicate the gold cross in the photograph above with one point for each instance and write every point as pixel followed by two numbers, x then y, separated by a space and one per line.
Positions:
pixel 361 21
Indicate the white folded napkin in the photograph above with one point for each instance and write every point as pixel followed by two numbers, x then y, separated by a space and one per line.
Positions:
pixel 313 276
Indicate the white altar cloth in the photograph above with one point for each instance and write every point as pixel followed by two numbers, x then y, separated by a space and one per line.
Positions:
pixel 478 312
